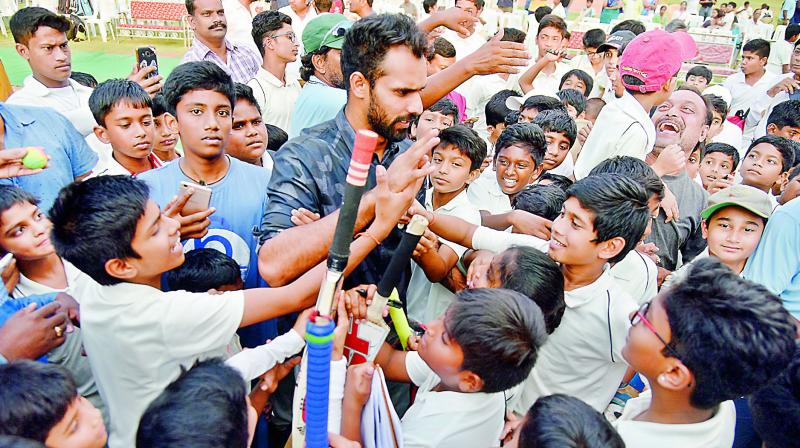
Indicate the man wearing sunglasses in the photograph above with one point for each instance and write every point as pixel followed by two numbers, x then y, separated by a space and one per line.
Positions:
pixel 701 344
pixel 323 94
pixel 275 89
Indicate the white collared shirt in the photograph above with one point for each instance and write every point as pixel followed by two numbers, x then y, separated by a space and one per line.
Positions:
pixel 426 300
pixel 464 46
pixel 275 98
pixel 298 25
pixel 623 128
pixel 485 193
pixel 636 273
pixel 77 282
pixel 716 432
pixel 583 356
pixel 478 90
pixel 138 339
pixel 71 101
pixel 547 83
pixel 761 109
pixel 449 419
pixel 743 95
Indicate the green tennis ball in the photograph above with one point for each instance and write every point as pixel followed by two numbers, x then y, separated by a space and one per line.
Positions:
pixel 34 159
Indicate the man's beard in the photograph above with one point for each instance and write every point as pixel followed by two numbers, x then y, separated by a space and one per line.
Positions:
pixel 379 122
pixel 337 80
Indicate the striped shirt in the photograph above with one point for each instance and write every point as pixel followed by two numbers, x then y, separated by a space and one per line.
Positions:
pixel 242 63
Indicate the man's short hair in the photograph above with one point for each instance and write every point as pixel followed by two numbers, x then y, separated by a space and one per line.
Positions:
pixel 499 332
pixel 276 137
pixel 265 23
pixel 776 408
pixel 542 103
pixel 559 420
pixel 84 79
pixel 784 146
pixel 527 136
pixel 94 221
pixel 562 182
pixel 619 205
pixel 580 74
pixel 785 114
pixel 593 107
pixel 594 38
pixel 573 98
pixel 245 92
pixel 443 48
pixel 758 46
pixel 496 109
pixel 541 200
pixel 427 5
pixel 26 21
pixel 634 26
pixel 368 41
pixel 725 149
pixel 204 269
pixel 702 71
pixel 718 104
pixel 732 334
pixel 468 142
pixel 791 31
pixel 541 12
pixel 114 92
pixel 557 121
pixel 190 76
pixel 174 418
pixel 446 107
pixel 634 169
pixel 513 35
pixel 553 21
pixel 532 273
pixel 35 397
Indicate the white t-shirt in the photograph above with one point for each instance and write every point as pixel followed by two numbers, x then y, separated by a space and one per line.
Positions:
pixel 760 110
pixel 583 356
pixel 485 193
pixel 623 128
pixel 449 419
pixel 547 83
pixel 779 55
pixel 743 95
pixel 636 273
pixel 464 45
pixel 77 283
pixel 71 101
pixel 138 338
pixel 426 300
pixel 275 98
pixel 716 432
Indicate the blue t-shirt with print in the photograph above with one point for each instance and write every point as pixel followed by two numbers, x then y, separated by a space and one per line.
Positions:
pixel 239 199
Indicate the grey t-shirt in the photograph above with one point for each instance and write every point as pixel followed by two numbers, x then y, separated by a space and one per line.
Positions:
pixel 683 236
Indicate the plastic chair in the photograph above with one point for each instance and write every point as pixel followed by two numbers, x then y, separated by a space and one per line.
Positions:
pixel 104 16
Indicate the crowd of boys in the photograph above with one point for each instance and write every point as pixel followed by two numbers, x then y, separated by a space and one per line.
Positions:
pixel 612 255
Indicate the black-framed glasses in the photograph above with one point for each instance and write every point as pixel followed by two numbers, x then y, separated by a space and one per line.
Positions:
pixel 639 316
pixel 289 34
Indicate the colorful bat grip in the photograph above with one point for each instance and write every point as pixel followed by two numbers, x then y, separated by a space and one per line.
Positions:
pixel 319 335
pixel 399 320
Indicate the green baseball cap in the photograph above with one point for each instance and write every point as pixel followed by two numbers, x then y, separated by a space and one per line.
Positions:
pixel 326 30
pixel 744 196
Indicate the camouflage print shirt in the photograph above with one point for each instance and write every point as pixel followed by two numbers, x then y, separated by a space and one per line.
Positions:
pixel 310 172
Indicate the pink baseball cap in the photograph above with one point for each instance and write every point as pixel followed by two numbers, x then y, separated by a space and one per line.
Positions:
pixel 654 57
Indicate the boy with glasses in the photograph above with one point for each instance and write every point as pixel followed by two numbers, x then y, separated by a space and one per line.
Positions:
pixel 274 88
pixel 702 344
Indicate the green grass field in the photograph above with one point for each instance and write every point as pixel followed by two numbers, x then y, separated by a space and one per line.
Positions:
pixel 104 60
